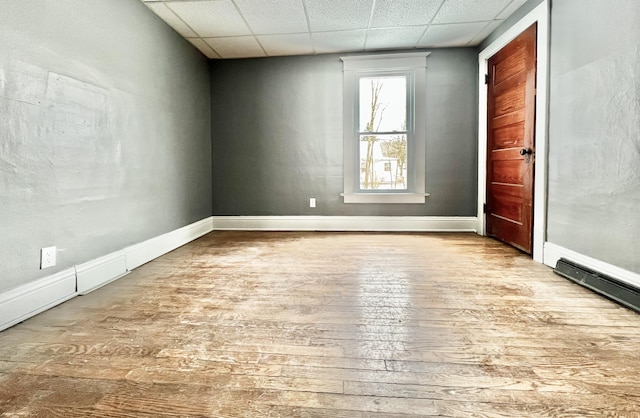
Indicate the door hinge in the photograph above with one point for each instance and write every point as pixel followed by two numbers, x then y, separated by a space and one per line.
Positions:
pixel 484 208
pixel 486 79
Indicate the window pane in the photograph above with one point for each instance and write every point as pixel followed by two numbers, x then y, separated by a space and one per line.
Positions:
pixel 383 162
pixel 383 104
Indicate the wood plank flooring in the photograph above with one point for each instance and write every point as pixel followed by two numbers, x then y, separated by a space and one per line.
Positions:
pixel 256 324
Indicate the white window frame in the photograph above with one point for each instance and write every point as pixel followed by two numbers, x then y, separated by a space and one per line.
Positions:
pixel 355 67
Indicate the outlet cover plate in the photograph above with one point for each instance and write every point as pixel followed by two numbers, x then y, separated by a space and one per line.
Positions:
pixel 312 202
pixel 47 257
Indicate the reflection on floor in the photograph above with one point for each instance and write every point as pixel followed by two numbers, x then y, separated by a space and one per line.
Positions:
pixel 328 325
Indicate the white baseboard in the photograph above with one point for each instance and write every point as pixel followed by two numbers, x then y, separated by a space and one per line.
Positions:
pixel 32 298
pixel 98 272
pixel 146 251
pixel 106 269
pixel 22 303
pixel 554 252
pixel 347 223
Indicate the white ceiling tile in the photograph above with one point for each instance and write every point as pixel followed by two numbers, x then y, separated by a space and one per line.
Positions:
pixel 288 44
pixel 469 11
pixel 349 40
pixel 273 16
pixel 203 47
pixel 174 21
pixel 482 35
pixel 405 37
pixel 230 26
pixel 511 8
pixel 457 34
pixel 236 47
pixel 211 18
pixel 331 15
pixel 389 13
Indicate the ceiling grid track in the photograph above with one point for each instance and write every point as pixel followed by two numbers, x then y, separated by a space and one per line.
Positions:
pixel 231 29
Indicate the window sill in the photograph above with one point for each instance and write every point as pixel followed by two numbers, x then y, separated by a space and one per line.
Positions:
pixel 397 198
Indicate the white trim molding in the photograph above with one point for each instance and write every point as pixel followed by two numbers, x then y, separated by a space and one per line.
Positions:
pixel 390 61
pixel 100 271
pixel 412 66
pixel 28 300
pixel 104 270
pixel 554 252
pixel 539 15
pixel 19 304
pixel 142 253
pixel 347 223
pixel 385 198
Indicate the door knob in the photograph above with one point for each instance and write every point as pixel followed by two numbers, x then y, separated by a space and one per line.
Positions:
pixel 526 151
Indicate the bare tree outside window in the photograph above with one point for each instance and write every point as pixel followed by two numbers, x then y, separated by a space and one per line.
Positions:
pixel 383 138
pixel 396 149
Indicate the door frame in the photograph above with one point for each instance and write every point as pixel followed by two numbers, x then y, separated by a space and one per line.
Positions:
pixel 540 15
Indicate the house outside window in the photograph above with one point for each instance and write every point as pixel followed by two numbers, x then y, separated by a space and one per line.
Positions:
pixel 384 128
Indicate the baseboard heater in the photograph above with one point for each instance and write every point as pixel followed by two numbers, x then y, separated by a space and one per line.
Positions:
pixel 607 286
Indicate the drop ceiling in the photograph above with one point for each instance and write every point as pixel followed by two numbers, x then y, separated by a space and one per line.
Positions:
pixel 262 28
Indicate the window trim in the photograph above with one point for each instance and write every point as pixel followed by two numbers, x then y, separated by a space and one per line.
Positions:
pixel 355 67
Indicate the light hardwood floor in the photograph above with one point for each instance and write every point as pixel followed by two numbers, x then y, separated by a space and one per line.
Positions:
pixel 272 324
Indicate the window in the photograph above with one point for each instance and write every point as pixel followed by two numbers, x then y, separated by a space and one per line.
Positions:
pixel 382 131
pixel 384 128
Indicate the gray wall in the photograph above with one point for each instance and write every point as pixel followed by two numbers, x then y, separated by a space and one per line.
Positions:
pixel 594 130
pixel 104 135
pixel 277 137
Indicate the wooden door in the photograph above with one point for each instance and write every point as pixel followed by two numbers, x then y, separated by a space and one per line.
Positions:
pixel 510 141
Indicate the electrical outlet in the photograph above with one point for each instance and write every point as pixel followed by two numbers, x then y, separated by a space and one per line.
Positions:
pixel 47 257
pixel 312 202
